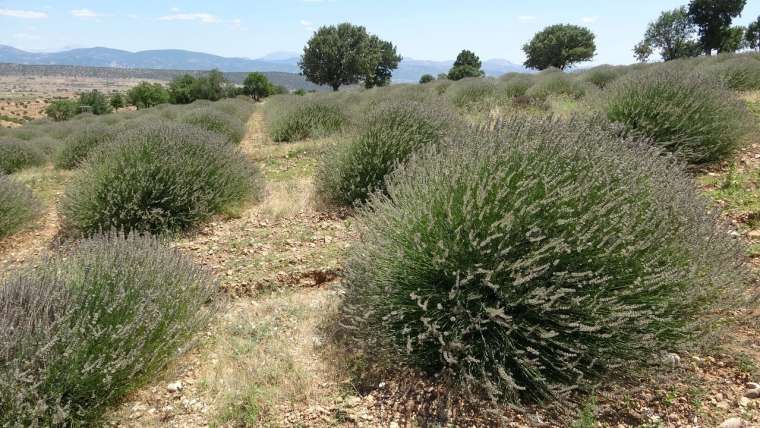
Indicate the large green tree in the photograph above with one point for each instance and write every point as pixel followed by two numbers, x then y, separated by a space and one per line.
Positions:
pixel 257 86
pixel 147 94
pixel 181 89
pixel 714 17
pixel 752 35
pixel 673 35
pixel 560 46
pixel 386 60
pixel 95 102
pixel 733 39
pixel 346 54
pixel 467 64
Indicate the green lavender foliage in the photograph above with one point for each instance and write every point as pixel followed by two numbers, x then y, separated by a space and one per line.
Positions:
pixel 741 73
pixel 550 83
pixel 164 177
pixel 471 93
pixel 358 165
pixel 603 75
pixel 84 137
pixel 523 260
pixel 685 113
pixel 18 206
pixel 293 118
pixel 87 326
pixel 16 155
pixel 228 125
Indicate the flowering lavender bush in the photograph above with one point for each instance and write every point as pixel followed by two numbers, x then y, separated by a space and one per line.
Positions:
pixel 523 261
pixel 18 206
pixel 354 168
pixel 84 137
pixel 86 327
pixel 228 125
pixel 293 118
pixel 158 178
pixel 685 113
pixel 16 155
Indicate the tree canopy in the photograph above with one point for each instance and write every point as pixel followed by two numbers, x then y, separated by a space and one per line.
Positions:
pixel 257 86
pixel 713 18
pixel 560 46
pixel 346 54
pixel 467 64
pixel 673 35
pixel 752 35
pixel 148 94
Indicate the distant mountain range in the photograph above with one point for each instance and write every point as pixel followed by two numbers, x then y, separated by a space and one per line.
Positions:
pixel 409 70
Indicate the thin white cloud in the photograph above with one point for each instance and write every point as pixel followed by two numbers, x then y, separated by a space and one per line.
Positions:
pixel 86 14
pixel 175 9
pixel 589 19
pixel 205 18
pixel 24 14
pixel 132 16
pixel 237 24
pixel 526 18
pixel 306 23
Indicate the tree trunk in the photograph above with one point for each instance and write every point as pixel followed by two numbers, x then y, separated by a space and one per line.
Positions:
pixel 335 87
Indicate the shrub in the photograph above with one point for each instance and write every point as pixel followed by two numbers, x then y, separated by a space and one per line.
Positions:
pixel 740 73
pixel 426 78
pixel 358 166
pixel 227 125
pixel 603 75
pixel 302 119
pixel 62 109
pixel 515 86
pixel 556 83
pixel 95 102
pixel 682 112
pixel 88 326
pixel 18 206
pixel 164 177
pixel 525 261
pixel 16 155
pixel 147 95
pixel 81 142
pixel 471 93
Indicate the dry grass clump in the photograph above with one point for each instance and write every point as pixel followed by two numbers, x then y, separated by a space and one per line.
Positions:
pixel 162 178
pixel 685 113
pixel 88 326
pixel 522 262
pixel 18 206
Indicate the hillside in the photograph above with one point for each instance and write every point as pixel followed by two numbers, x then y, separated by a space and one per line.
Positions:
pixel 289 80
pixel 409 70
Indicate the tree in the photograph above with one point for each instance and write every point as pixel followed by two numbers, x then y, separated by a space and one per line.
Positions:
pixel 62 110
pixel 733 39
pixel 752 35
pixel 714 17
pixel 117 101
pixel 467 64
pixel 257 86
pixel 346 54
pixel 95 102
pixel 426 78
pixel 147 95
pixel 560 46
pixel 673 34
pixel 385 59
pixel 213 86
pixel 181 89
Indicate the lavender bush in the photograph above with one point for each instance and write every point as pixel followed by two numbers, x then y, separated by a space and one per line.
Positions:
pixel 88 326
pixel 18 206
pixel 683 112
pixel 163 177
pixel 523 260
pixel 228 125
pixel 16 155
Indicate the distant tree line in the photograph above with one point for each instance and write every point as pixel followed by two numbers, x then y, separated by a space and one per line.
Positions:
pixel 183 89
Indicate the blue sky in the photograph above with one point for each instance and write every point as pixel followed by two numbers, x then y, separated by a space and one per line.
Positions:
pixel 422 29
